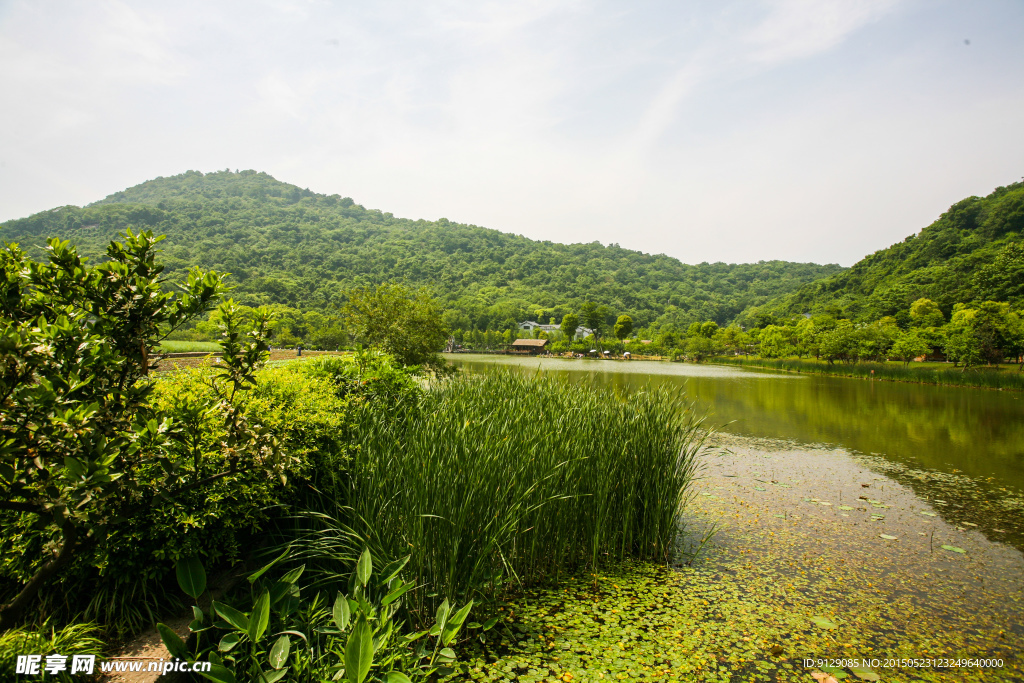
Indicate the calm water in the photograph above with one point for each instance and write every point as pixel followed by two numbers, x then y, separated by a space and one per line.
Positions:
pixel 962 438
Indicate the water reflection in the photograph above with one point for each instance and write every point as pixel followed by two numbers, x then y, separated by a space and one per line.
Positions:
pixel 976 432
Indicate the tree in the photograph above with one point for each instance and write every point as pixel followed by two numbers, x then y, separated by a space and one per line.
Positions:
pixel 773 342
pixel 623 326
pixel 81 447
pixel 909 345
pixel 406 324
pixel 926 313
pixel 569 324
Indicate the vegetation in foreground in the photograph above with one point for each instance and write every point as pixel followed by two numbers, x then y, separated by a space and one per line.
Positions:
pixel 119 483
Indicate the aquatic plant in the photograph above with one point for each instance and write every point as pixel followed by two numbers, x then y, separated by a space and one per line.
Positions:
pixel 504 477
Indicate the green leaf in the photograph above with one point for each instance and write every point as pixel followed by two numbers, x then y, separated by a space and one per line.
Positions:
pixel 391 570
pixel 359 652
pixel 490 623
pixel 260 617
pixel 397 593
pixel 887 537
pixel 864 673
pixel 228 641
pixel 341 612
pixel 219 673
pixel 293 575
pixel 823 622
pixel 191 576
pixel 279 653
pixel 397 677
pixel 272 676
pixel 451 628
pixel 953 548
pixel 174 644
pixel 231 615
pixel 364 567
pixel 253 577
pixel 442 612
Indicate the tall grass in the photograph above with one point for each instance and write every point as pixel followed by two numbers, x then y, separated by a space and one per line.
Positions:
pixel 1007 378
pixel 503 477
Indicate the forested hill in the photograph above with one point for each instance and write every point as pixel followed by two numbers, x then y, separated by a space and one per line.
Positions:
pixel 284 244
pixel 973 252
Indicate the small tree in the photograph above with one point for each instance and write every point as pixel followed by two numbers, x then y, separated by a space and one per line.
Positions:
pixel 909 345
pixel 408 325
pixel 623 326
pixel 569 324
pixel 81 448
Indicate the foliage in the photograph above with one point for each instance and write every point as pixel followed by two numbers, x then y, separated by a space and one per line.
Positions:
pixel 623 326
pixel 284 635
pixel 504 478
pixel 910 345
pixel 286 245
pixel 407 325
pixel 74 639
pixel 570 321
pixel 78 440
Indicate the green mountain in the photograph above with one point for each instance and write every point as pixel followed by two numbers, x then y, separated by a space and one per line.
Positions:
pixel 973 252
pixel 287 245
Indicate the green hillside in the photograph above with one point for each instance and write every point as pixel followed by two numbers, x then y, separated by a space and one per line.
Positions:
pixel 973 252
pixel 287 245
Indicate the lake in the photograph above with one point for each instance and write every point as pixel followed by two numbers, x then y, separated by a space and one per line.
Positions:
pixel 889 512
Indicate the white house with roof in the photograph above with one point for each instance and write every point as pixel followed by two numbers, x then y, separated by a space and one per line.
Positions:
pixel 531 326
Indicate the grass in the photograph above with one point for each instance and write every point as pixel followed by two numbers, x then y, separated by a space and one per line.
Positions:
pixel 504 478
pixel 1002 377
pixel 169 346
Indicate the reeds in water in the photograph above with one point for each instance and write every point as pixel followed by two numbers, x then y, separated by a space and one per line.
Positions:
pixel 501 477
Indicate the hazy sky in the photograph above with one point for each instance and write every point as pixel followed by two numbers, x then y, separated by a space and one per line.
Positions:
pixel 814 130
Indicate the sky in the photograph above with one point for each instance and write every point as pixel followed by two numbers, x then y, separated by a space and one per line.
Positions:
pixel 804 130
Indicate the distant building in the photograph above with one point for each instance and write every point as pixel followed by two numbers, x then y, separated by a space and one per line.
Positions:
pixel 529 345
pixel 530 326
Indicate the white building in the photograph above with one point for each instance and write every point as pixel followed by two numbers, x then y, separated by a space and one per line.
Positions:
pixel 530 325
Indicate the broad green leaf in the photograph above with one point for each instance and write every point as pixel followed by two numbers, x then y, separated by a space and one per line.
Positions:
pixel 272 676
pixel 279 653
pixel 219 673
pixel 447 653
pixel 453 625
pixel 359 652
pixel 293 575
pixel 341 612
pixel 191 576
pixel 397 593
pixel 364 567
pixel 174 644
pixel 391 571
pixel 228 641
pixel 260 617
pixel 953 548
pixel 397 677
pixel 489 624
pixel 823 622
pixel 442 612
pixel 231 615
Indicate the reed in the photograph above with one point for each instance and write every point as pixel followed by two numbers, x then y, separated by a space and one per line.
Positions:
pixel 501 478
pixel 1005 377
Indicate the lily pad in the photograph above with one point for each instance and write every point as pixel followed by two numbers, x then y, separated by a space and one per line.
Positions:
pixel 954 549
pixel 887 537
pixel 823 622
pixel 845 507
pixel 864 673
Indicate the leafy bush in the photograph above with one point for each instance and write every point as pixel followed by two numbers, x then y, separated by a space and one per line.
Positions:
pixel 75 639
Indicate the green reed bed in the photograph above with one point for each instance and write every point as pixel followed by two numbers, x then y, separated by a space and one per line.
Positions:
pixel 1005 377
pixel 503 477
